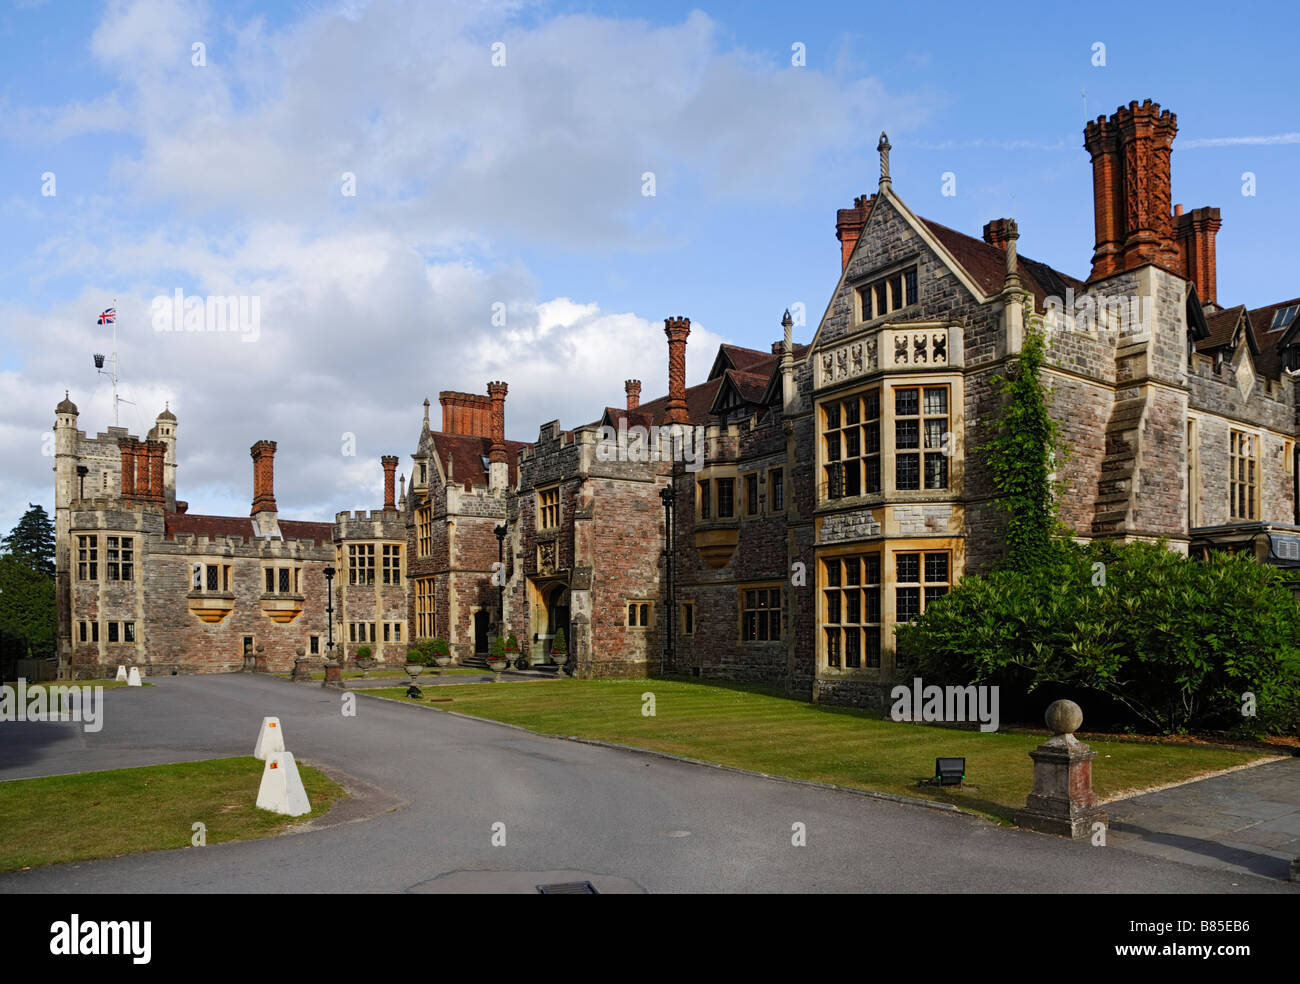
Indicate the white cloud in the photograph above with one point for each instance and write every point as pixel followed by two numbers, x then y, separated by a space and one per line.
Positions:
pixel 229 183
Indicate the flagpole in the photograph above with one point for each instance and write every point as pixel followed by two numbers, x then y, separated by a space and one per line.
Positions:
pixel 115 415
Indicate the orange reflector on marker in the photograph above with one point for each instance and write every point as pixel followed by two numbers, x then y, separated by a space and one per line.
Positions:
pixel 271 724
pixel 275 765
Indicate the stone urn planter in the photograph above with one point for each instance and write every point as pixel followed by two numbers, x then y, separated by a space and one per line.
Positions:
pixel 497 666
pixel 559 659
pixel 413 670
pixel 365 665
pixel 442 660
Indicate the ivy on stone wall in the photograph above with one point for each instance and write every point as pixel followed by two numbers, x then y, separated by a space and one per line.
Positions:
pixel 1023 455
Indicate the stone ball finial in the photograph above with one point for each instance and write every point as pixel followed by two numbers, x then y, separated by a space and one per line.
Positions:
pixel 1064 717
pixel 300 651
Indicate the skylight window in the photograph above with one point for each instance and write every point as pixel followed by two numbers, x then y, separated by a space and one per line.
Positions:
pixel 1284 317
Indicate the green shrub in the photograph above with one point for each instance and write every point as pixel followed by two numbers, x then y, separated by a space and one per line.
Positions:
pixel 1177 642
pixel 498 648
pixel 432 649
pixel 364 652
pixel 512 643
pixel 414 656
pixel 559 644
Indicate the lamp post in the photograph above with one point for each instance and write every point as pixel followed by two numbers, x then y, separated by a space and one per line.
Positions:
pixel 668 495
pixel 500 577
pixel 329 612
pixel 333 668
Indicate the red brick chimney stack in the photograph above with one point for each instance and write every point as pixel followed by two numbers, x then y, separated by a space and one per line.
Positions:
pixel 263 454
pixel 849 223
pixel 497 393
pixel 498 466
pixel 1131 189
pixel 466 413
pixel 998 232
pixel 157 454
pixel 389 462
pixel 633 389
pixel 1196 232
pixel 677 329
pixel 126 447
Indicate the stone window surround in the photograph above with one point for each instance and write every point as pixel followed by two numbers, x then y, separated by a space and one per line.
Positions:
pixel 548 507
pixel 711 474
pixel 390 573
pixel 645 612
pixel 889 549
pixel 887 383
pixel 87 556
pixel 424 530
pixel 1256 482
pixel 205 569
pixel 772 508
pixel 425 593
pixel 120 553
pixel 682 620
pixel 123 629
pixel 361 564
pixel 294 580
pixel 884 275
pixel 768 585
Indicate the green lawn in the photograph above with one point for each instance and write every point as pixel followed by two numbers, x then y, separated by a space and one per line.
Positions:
pixel 391 674
pixel 756 728
pixel 106 684
pixel 123 811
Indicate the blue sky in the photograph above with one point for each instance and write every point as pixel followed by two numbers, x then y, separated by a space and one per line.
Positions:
pixel 521 184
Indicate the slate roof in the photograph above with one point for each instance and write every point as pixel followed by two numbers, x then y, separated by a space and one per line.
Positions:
pixel 987 266
pixel 1223 327
pixel 467 453
pixel 242 526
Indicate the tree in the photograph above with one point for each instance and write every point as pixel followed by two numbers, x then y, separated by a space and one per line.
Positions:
pixel 1022 456
pixel 32 540
pixel 27 611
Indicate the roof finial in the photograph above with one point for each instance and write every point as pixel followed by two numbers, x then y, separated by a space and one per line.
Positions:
pixel 787 323
pixel 884 149
pixel 426 411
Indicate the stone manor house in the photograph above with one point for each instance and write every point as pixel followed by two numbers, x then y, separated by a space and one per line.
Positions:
pixel 831 498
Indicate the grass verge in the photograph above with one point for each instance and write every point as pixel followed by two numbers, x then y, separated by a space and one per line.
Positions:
pixel 124 811
pixel 759 729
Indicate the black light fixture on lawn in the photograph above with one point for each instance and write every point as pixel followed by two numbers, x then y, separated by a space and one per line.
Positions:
pixel 949 771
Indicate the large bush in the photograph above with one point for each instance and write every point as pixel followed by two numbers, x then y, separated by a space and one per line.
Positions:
pixel 1175 641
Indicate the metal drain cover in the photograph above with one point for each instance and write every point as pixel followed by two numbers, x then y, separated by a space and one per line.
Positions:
pixel 568 888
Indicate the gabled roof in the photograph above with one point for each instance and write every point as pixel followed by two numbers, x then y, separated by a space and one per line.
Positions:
pixel 467 453
pixel 987 266
pixel 220 526
pixel 1272 341
pixel 735 357
pixel 699 400
pixel 1225 330
pixel 613 416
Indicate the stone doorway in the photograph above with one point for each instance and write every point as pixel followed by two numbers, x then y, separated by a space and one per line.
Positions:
pixel 557 614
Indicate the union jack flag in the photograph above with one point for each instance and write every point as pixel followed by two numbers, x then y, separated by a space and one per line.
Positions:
pixel 109 317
